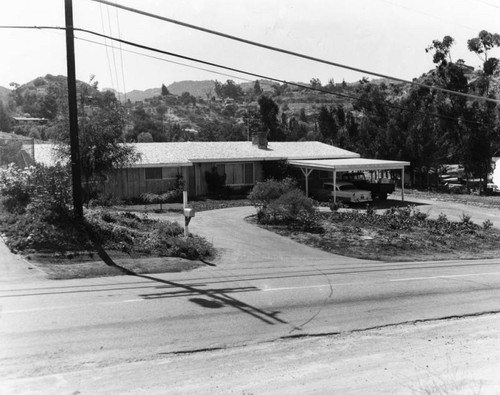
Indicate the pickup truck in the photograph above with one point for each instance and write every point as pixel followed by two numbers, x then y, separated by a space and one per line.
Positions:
pixel 379 189
pixel 344 191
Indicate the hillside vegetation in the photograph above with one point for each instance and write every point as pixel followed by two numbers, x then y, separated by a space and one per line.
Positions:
pixel 377 119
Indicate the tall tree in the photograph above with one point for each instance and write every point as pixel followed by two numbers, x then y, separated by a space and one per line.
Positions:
pixel 5 123
pixel 269 111
pixel 257 90
pixel 327 125
pixel 101 140
pixel 164 90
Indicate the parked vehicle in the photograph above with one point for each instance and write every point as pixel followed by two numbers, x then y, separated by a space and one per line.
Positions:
pixel 379 188
pixel 492 189
pixel 345 191
pixel 455 188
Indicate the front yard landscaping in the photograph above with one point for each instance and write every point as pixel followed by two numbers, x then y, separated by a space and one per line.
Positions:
pixel 36 221
pixel 399 234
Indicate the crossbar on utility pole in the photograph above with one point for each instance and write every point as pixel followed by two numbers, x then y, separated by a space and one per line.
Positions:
pixel 73 113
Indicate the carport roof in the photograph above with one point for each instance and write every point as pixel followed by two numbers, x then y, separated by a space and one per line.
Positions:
pixel 349 164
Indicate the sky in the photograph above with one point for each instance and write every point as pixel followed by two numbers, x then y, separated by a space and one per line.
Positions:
pixel 382 36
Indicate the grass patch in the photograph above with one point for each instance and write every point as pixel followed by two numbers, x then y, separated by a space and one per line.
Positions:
pixel 86 266
pixel 400 234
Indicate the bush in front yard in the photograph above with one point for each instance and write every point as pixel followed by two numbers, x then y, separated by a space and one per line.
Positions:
pixel 39 188
pixel 263 193
pixel 280 202
pixel 167 240
pixel 133 234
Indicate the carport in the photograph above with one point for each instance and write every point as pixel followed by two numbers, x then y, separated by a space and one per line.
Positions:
pixel 351 164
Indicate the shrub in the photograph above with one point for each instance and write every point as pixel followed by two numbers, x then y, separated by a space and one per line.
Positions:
pixel 290 205
pixel 263 193
pixel 487 224
pixel 167 240
pixel 37 189
pixel 335 206
pixel 106 229
pixel 16 187
pixel 280 202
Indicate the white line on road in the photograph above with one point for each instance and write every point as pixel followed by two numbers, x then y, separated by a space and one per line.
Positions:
pixel 123 301
pixel 312 286
pixel 375 281
pixel 445 276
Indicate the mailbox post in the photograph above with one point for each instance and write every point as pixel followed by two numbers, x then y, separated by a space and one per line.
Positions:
pixel 188 213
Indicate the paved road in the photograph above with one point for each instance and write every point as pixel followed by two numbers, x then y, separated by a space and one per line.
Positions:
pixel 263 288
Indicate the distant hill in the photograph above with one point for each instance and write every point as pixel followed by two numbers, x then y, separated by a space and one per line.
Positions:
pixel 4 95
pixel 137 95
pixel 195 88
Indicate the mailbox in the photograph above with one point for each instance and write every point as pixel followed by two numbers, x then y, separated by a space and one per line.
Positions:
pixel 189 212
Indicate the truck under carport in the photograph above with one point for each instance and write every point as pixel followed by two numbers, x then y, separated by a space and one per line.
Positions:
pixel 346 165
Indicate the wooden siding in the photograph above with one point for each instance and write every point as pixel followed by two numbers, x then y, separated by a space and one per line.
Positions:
pixel 201 188
pixel 131 182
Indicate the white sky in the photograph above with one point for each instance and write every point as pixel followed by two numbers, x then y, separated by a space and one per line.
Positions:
pixel 384 36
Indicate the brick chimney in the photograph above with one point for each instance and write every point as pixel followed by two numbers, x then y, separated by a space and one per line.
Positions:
pixel 260 139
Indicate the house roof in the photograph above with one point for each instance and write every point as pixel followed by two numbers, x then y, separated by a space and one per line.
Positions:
pixel 187 153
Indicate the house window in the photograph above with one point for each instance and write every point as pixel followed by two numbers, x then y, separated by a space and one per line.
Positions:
pixel 170 173
pixel 237 173
pixel 153 173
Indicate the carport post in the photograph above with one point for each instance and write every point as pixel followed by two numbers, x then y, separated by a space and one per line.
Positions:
pixel 306 173
pixel 184 206
pixel 334 186
pixel 403 184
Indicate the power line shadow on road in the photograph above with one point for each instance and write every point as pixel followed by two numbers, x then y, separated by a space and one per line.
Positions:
pixel 216 297
pixel 220 298
pixel 189 292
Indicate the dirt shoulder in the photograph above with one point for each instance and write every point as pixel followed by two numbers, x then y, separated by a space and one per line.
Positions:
pixel 437 357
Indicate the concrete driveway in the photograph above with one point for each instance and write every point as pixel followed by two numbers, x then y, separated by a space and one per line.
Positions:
pixel 247 244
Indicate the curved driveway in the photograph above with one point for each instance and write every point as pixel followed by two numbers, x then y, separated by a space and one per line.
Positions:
pixel 243 243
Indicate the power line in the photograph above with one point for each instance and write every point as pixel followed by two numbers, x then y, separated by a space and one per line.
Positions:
pixel 113 52
pixel 121 55
pixel 385 104
pixel 107 53
pixel 428 15
pixel 261 76
pixel 488 4
pixel 169 61
pixel 288 52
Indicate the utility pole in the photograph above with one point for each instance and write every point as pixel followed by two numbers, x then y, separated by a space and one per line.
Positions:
pixel 73 114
